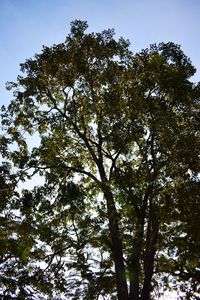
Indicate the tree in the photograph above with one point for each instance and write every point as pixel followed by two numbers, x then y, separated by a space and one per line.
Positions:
pixel 17 279
pixel 118 149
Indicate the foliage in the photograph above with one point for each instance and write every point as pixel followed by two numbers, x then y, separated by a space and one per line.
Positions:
pixel 18 277
pixel 118 150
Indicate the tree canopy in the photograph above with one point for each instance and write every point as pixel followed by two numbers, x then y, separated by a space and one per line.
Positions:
pixel 118 149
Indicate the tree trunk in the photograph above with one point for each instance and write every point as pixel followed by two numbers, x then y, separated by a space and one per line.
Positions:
pixel 117 251
pixel 136 256
pixel 134 281
pixel 148 266
pixel 151 240
pixel 134 266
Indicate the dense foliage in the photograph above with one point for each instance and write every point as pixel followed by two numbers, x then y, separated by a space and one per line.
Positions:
pixel 116 144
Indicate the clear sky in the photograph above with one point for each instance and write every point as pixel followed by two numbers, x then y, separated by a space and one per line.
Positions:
pixel 26 25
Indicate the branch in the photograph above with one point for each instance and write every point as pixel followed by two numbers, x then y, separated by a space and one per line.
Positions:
pixel 113 163
pixel 73 169
pixel 133 201
pixel 54 254
pixel 48 93
pixel 85 139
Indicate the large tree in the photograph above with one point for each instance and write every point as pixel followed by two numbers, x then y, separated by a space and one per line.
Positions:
pixel 116 137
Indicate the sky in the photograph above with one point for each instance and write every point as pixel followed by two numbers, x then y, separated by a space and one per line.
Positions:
pixel 26 25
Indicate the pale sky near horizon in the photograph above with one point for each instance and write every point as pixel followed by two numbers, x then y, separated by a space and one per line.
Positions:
pixel 26 25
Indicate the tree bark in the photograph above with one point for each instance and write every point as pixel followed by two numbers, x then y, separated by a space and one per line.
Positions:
pixel 134 266
pixel 117 251
pixel 148 266
pixel 134 281
pixel 151 240
pixel 137 250
pixel 113 219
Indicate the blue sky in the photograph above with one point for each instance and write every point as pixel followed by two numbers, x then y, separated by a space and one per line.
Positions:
pixel 26 25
